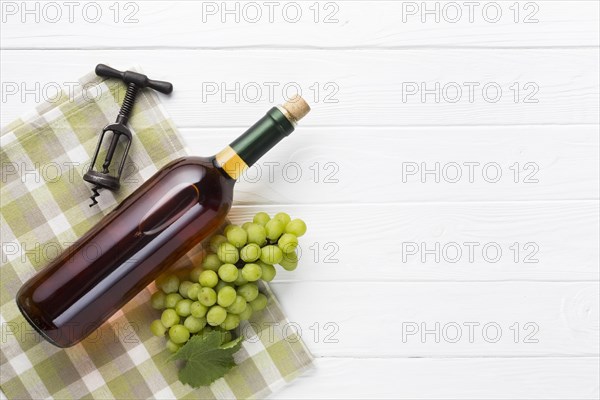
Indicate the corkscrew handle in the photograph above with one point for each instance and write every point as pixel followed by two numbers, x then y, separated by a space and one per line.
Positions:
pixel 140 80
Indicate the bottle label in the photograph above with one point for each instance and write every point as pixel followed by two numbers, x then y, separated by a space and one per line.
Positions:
pixel 231 162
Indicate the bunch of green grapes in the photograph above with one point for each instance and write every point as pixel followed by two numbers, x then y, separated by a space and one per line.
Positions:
pixel 223 291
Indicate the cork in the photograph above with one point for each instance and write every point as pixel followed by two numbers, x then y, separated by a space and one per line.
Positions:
pixel 296 107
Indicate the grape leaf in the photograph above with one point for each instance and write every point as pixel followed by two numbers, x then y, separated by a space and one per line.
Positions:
pixel 206 360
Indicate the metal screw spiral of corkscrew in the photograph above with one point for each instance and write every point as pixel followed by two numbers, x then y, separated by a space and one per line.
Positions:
pixel 135 81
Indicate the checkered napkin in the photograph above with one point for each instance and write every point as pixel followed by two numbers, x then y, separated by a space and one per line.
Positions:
pixel 44 207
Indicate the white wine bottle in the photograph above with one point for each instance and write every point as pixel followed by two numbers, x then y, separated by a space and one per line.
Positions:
pixel 177 208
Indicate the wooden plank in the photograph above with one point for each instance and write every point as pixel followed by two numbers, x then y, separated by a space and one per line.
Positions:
pixel 225 88
pixel 532 241
pixel 323 24
pixel 425 319
pixel 489 378
pixel 333 165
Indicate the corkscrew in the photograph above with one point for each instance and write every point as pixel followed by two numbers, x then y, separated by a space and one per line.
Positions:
pixel 102 179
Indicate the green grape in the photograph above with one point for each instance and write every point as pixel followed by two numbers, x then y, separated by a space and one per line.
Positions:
pixel 216 241
pixel 247 313
pixel 296 227
pixel 283 217
pixel 193 324
pixel 245 225
pixel 184 287
pixel 193 291
pixel 226 296
pixel 257 234
pixel 228 272
pixel 250 252
pixel 238 306
pixel 216 315
pixel 237 237
pixel 268 271
pixel 221 285
pixel 240 280
pixel 198 309
pixel 259 303
pixel 288 242
pixel 228 253
pixel 208 279
pixel 169 284
pixel 183 307
pixel 179 334
pixel 249 291
pixel 207 296
pixel 157 328
pixel 172 299
pixel 251 272
pixel 274 229
pixel 231 322
pixel 211 262
pixel 157 300
pixel 228 228
pixel 173 347
pixel 289 262
pixel 261 218
pixel 271 255
pixel 195 273
pixel 169 318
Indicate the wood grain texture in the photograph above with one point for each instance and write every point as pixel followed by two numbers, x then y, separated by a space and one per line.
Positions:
pixel 330 165
pixel 323 24
pixel 389 242
pixel 379 319
pixel 355 88
pixel 422 378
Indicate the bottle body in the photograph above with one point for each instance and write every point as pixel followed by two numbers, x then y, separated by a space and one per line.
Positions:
pixel 166 217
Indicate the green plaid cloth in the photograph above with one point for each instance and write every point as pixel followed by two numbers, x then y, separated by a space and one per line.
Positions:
pixel 44 207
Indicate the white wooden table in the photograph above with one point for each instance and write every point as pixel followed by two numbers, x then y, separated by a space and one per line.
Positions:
pixel 449 171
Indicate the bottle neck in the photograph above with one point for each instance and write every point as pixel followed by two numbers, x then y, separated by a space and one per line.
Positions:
pixel 244 151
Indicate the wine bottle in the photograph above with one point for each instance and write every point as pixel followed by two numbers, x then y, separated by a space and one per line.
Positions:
pixel 178 207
